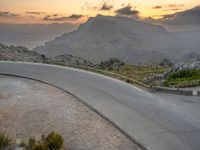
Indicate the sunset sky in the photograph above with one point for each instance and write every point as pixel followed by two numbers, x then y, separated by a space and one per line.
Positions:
pixel 77 11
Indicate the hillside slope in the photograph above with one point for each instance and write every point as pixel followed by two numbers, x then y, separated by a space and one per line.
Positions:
pixel 22 54
pixel 129 40
pixel 19 53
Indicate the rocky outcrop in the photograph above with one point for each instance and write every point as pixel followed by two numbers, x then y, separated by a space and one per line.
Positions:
pixel 112 63
pixel 19 53
pixel 165 63
pixel 176 67
pixel 181 66
pixel 70 60
pixel 191 57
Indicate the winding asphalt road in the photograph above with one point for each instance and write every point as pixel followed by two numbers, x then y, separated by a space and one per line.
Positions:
pixel 152 120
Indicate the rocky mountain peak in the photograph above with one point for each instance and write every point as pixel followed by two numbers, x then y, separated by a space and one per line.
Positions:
pixel 131 41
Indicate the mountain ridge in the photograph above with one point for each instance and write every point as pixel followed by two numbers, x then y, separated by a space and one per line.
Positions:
pixel 131 41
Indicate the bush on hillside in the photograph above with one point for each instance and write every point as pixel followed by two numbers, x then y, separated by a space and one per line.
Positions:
pixel 183 75
pixel 54 141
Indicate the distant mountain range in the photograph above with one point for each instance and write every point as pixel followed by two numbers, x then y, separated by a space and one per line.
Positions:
pixel 129 40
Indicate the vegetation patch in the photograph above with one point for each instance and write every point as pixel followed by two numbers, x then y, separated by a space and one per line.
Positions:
pixel 52 141
pixel 5 141
pixel 184 78
pixel 137 72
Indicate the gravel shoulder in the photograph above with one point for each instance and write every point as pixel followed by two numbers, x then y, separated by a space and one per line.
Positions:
pixel 29 108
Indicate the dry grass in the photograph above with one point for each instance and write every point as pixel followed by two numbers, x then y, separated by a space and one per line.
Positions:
pixel 137 72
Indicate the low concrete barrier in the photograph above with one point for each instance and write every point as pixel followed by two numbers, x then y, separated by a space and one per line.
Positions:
pixel 121 77
pixel 198 93
pixel 172 90
pixel 132 81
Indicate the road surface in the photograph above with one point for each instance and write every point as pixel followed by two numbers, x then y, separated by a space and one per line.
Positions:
pixel 150 119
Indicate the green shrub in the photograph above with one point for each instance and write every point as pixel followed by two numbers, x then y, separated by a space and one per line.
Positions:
pixel 5 141
pixel 183 75
pixel 54 141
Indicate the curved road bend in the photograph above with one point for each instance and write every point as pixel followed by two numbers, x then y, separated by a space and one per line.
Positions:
pixel 153 121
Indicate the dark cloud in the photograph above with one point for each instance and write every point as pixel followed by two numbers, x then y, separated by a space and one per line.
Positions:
pixel 127 10
pixel 51 18
pixel 157 7
pixel 75 16
pixel 3 13
pixel 173 9
pixel 175 5
pixel 35 12
pixel 170 7
pixel 188 17
pixel 188 20
pixel 106 7
pixel 163 18
pixel 57 17
pixel 7 14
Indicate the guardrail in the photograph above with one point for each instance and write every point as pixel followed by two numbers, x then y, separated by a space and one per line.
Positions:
pixel 185 84
pixel 132 81
pixel 121 77
pixel 172 90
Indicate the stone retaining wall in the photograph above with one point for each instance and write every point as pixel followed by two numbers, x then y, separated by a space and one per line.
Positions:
pixel 172 90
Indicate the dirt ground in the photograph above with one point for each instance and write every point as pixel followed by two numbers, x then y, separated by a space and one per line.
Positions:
pixel 30 108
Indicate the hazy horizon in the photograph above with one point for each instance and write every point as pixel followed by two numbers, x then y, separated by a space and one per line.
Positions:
pixel 33 23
